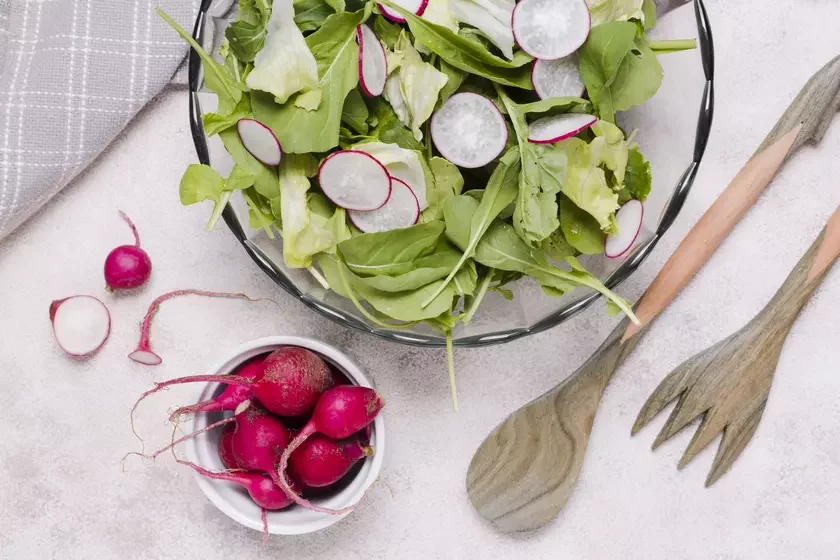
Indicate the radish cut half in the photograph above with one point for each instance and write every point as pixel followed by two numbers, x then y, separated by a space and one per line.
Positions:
pixel 549 130
pixel 373 67
pixel 81 324
pixel 417 7
pixel 557 78
pixel 355 180
pixel 259 141
pixel 469 130
pixel 629 221
pixel 550 29
pixel 401 210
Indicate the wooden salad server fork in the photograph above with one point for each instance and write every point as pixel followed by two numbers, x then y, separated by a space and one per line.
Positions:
pixel 523 473
pixel 728 383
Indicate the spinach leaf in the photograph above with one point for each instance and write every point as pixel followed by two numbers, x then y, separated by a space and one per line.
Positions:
pixel 390 252
pixel 202 182
pixel 311 14
pixel 429 268
pixel 216 77
pixel 458 212
pixel 637 178
pixel 580 229
pixel 618 68
pixel 246 34
pixel 443 182
pixel 500 191
pixel 466 279
pixel 355 113
pixel 336 52
pixel 468 55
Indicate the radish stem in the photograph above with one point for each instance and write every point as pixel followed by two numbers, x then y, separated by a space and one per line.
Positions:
pixel 133 228
pixel 672 46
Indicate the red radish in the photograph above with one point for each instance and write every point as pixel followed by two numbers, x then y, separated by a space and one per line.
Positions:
pixel 81 324
pixel 226 449
pixel 417 7
pixel 260 141
pixel 143 353
pixel 354 180
pixel 259 439
pixel 401 210
pixel 260 487
pixel 629 222
pixel 231 397
pixel 321 461
pixel 469 130
pixel 373 66
pixel 341 412
pixel 292 381
pixel 127 266
pixel 339 378
pixel 557 78
pixel 549 130
pixel 550 29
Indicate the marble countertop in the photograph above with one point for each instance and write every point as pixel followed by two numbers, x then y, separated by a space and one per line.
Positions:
pixel 64 495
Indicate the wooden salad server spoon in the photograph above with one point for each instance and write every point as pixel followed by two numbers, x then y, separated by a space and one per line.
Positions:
pixel 728 383
pixel 523 473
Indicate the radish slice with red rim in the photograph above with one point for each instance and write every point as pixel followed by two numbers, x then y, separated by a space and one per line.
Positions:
pixel 354 180
pixel 401 210
pixel 550 29
pixel 557 78
pixel 417 7
pixel 259 141
pixel 81 324
pixel 373 66
pixel 549 130
pixel 629 222
pixel 469 130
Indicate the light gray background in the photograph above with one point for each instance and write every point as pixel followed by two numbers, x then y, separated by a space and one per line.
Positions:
pixel 63 494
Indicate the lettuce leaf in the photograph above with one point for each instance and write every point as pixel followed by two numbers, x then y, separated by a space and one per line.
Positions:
pixel 202 182
pixel 403 164
pixel 606 11
pixel 610 150
pixel 491 17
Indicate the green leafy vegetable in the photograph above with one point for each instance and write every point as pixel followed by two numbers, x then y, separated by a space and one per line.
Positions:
pixel 428 268
pixel 585 183
pixel 440 13
pixel 246 34
pixel 555 245
pixel 443 182
pixel 605 11
pixel 265 181
pixel 637 178
pixel 390 252
pixel 405 165
pixel 581 230
pixel 311 14
pixel 260 215
pixel 454 79
pixel 388 127
pixel 491 17
pixel 215 122
pixel 202 182
pixel 355 113
pixel 387 32
pixel 609 150
pixel 649 11
pixel 458 213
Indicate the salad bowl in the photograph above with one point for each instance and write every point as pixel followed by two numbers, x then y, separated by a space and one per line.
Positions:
pixel 667 127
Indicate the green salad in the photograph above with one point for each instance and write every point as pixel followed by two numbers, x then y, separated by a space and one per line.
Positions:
pixel 413 155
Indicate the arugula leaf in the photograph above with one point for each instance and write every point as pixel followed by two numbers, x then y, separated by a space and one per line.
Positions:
pixel 556 246
pixel 455 77
pixel 355 113
pixel 581 230
pixel 216 77
pixel 605 11
pixel 260 215
pixel 246 34
pixel 389 129
pixel 301 131
pixel 390 252
pixel 429 268
pixel 500 191
pixel 618 68
pixel 637 178
pixel 311 14
pixel 215 122
pixel 468 55
pixel 387 32
pixel 202 182
pixel 266 177
pixel 458 212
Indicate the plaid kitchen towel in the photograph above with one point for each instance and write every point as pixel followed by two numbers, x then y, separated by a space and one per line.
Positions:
pixel 73 73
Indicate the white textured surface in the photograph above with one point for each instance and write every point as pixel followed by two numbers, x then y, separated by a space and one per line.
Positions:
pixel 63 494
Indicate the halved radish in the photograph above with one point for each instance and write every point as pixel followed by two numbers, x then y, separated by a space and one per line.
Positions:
pixel 549 130
pixel 550 29
pixel 557 78
pixel 373 66
pixel 417 7
pixel 81 324
pixel 469 130
pixel 401 210
pixel 355 180
pixel 259 141
pixel 629 221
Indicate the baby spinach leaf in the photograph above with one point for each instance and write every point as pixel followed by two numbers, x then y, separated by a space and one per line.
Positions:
pixel 466 279
pixel 580 229
pixel 458 212
pixel 390 252
pixel 429 268
pixel 443 182
pixel 355 112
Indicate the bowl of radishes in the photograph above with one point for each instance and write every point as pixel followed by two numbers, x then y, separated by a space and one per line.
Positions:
pixel 330 475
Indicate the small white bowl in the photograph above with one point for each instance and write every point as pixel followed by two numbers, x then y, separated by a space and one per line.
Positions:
pixel 231 498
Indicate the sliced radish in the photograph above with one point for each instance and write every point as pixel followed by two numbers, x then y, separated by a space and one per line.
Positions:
pixel 417 7
pixel 557 78
pixel 549 130
pixel 373 66
pixel 401 210
pixel 629 221
pixel 81 324
pixel 550 29
pixel 355 180
pixel 259 141
pixel 469 130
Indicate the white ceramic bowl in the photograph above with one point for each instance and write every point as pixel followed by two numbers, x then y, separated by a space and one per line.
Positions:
pixel 232 499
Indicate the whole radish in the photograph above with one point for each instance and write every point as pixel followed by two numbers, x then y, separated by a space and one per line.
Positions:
pixel 231 397
pixel 260 487
pixel 321 461
pixel 127 266
pixel 226 448
pixel 341 412
pixel 258 440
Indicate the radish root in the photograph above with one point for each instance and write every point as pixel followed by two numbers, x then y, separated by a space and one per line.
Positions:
pixel 172 445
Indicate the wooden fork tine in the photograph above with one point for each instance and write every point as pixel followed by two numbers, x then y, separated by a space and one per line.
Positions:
pixel 736 436
pixel 708 430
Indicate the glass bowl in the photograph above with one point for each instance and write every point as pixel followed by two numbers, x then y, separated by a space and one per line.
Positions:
pixel 669 135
